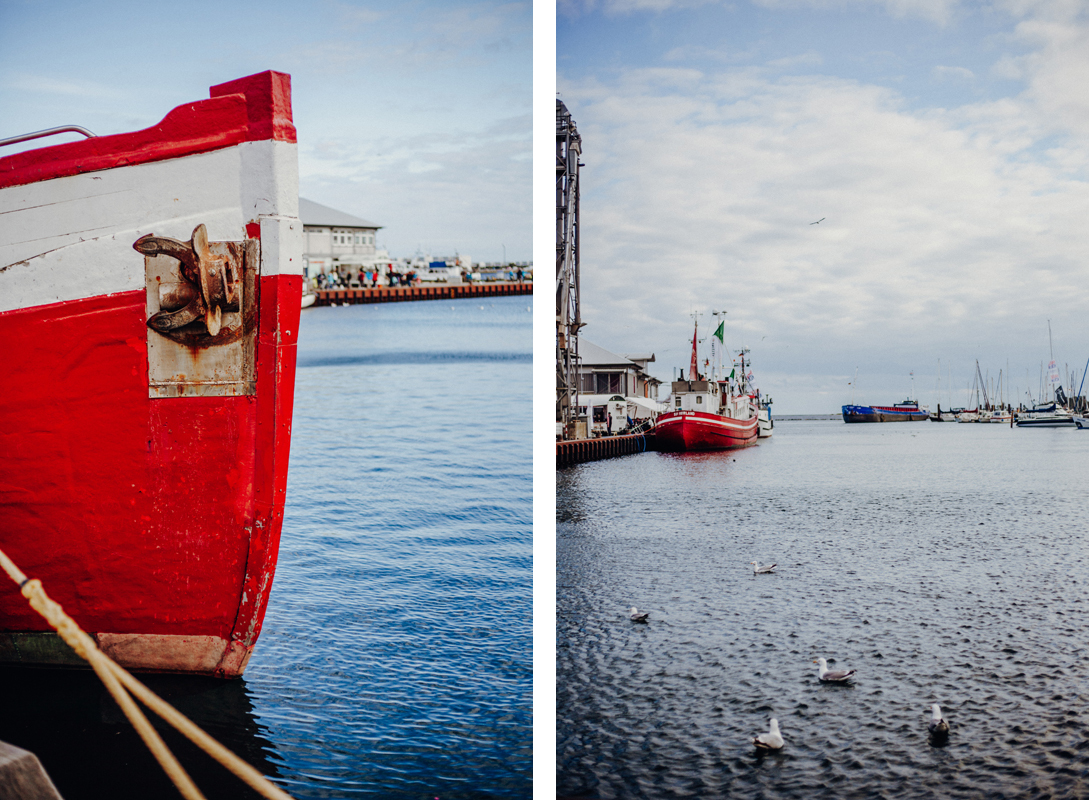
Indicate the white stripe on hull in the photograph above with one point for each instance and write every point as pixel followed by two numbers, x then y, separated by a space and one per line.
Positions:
pixel 75 233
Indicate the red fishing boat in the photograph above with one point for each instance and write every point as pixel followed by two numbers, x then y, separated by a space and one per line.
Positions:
pixel 709 413
pixel 150 289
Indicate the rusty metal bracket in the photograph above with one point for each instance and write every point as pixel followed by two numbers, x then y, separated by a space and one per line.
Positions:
pixel 212 283
pixel 202 312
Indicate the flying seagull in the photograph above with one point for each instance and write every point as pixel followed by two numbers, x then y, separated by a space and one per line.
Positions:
pixel 772 740
pixel 833 676
pixel 638 616
pixel 759 570
pixel 819 221
pixel 938 727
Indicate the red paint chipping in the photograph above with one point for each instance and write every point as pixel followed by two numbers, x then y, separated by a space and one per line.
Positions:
pixel 142 516
pixel 253 230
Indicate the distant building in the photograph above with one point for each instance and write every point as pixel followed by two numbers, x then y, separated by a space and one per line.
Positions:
pixel 604 376
pixel 602 372
pixel 337 242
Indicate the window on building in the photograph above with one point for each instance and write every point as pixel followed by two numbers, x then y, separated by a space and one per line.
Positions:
pixel 607 383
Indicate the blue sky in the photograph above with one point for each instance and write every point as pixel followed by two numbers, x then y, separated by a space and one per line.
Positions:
pixel 414 115
pixel 945 144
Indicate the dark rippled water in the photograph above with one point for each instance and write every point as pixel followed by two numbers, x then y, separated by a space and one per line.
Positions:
pixel 946 563
pixel 395 659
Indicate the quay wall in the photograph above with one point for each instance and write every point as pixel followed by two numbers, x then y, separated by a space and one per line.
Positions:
pixel 578 451
pixel 396 294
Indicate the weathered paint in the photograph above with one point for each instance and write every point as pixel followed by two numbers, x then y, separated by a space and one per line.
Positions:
pixel 149 506
pixel 255 108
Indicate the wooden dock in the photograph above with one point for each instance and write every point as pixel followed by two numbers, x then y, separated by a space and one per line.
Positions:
pixel 577 451
pixel 397 294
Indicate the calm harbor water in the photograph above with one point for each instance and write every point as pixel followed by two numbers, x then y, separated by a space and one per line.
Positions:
pixel 947 563
pixel 395 659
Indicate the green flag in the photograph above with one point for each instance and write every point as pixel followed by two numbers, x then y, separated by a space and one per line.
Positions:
pixel 718 331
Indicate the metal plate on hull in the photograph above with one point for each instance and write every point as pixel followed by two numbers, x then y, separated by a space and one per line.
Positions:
pixel 190 361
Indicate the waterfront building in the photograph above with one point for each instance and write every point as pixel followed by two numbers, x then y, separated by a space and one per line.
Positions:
pixel 603 376
pixel 339 242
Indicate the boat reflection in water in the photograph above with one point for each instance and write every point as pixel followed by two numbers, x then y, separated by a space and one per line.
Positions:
pixel 68 719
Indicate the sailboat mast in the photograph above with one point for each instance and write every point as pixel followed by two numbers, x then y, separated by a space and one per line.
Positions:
pixel 1051 353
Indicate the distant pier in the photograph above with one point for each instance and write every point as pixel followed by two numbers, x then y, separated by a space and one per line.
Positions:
pixel 397 294
pixel 577 451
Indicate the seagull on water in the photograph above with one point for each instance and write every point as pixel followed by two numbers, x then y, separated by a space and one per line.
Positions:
pixel 938 727
pixel 765 570
pixel 833 675
pixel 819 221
pixel 772 740
pixel 639 616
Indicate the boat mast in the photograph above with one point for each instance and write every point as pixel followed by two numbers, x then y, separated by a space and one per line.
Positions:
pixel 719 370
pixel 693 367
pixel 1082 383
pixel 1051 353
pixel 938 387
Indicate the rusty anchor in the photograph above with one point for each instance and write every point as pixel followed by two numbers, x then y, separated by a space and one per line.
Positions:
pixel 212 283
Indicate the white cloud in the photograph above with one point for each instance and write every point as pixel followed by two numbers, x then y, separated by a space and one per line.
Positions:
pixel 952 73
pixel 467 192
pixel 1057 70
pixel 29 82
pixel 940 227
pixel 576 7
pixel 940 12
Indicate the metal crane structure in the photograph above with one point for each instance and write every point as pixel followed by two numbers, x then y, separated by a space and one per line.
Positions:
pixel 568 317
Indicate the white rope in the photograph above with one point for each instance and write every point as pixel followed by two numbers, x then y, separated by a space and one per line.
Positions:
pixel 113 676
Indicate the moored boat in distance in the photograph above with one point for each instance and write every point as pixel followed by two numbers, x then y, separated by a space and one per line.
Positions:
pixel 706 415
pixel 949 415
pixel 150 288
pixel 1045 415
pixel 907 411
pixel 710 413
pixel 765 425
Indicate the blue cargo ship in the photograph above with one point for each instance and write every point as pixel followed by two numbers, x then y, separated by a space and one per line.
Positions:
pixel 907 411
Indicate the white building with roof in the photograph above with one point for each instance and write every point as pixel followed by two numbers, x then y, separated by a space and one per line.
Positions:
pixel 338 242
pixel 606 379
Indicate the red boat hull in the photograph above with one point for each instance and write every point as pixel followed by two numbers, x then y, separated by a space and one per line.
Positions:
pixel 679 431
pixel 151 514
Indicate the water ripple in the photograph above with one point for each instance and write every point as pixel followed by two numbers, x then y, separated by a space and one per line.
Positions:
pixel 945 565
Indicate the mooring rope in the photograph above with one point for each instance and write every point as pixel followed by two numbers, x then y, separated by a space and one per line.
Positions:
pixel 117 680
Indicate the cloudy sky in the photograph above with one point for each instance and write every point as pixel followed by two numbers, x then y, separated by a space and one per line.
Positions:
pixel 943 145
pixel 414 115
